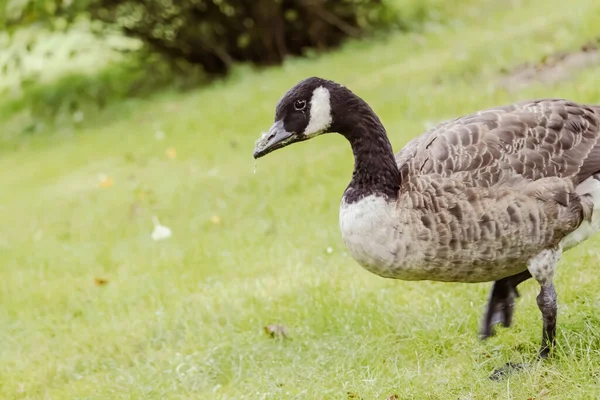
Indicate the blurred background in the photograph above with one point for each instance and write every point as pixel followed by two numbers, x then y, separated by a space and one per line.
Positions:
pixel 144 254
pixel 63 57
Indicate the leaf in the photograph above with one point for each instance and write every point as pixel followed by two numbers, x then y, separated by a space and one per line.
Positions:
pixel 105 181
pixel 100 281
pixel 171 153
pixel 276 331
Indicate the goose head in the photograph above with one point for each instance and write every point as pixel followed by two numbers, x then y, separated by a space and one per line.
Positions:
pixel 307 110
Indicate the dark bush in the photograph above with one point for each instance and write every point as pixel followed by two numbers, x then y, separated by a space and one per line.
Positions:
pixel 217 33
pixel 186 41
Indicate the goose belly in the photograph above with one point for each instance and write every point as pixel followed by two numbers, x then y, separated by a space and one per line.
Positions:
pixel 382 243
pixel 388 241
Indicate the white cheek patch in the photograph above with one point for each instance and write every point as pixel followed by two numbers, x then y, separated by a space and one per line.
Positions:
pixel 320 112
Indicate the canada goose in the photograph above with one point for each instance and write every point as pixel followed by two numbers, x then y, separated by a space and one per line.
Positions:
pixel 497 195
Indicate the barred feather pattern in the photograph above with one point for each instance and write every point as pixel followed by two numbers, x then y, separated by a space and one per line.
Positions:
pixel 482 194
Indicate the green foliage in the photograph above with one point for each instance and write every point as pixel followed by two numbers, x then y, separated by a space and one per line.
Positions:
pixel 218 33
pixel 53 13
pixel 180 41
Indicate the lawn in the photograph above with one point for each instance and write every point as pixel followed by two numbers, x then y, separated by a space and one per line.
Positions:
pixel 93 308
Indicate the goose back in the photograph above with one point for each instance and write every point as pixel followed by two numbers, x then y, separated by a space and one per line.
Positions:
pixel 527 140
pixel 482 194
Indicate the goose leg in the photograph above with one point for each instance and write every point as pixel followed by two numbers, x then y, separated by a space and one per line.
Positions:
pixel 547 303
pixel 542 268
pixel 501 303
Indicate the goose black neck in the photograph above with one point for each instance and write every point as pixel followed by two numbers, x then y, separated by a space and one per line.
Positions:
pixel 375 168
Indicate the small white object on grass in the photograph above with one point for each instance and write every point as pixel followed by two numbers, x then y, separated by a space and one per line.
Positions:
pixel 160 232
pixel 329 250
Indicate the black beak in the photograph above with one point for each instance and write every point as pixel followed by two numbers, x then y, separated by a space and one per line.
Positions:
pixel 277 138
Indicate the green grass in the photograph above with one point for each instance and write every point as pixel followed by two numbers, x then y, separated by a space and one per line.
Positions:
pixel 184 318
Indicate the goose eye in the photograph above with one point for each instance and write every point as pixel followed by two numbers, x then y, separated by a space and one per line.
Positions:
pixel 300 105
